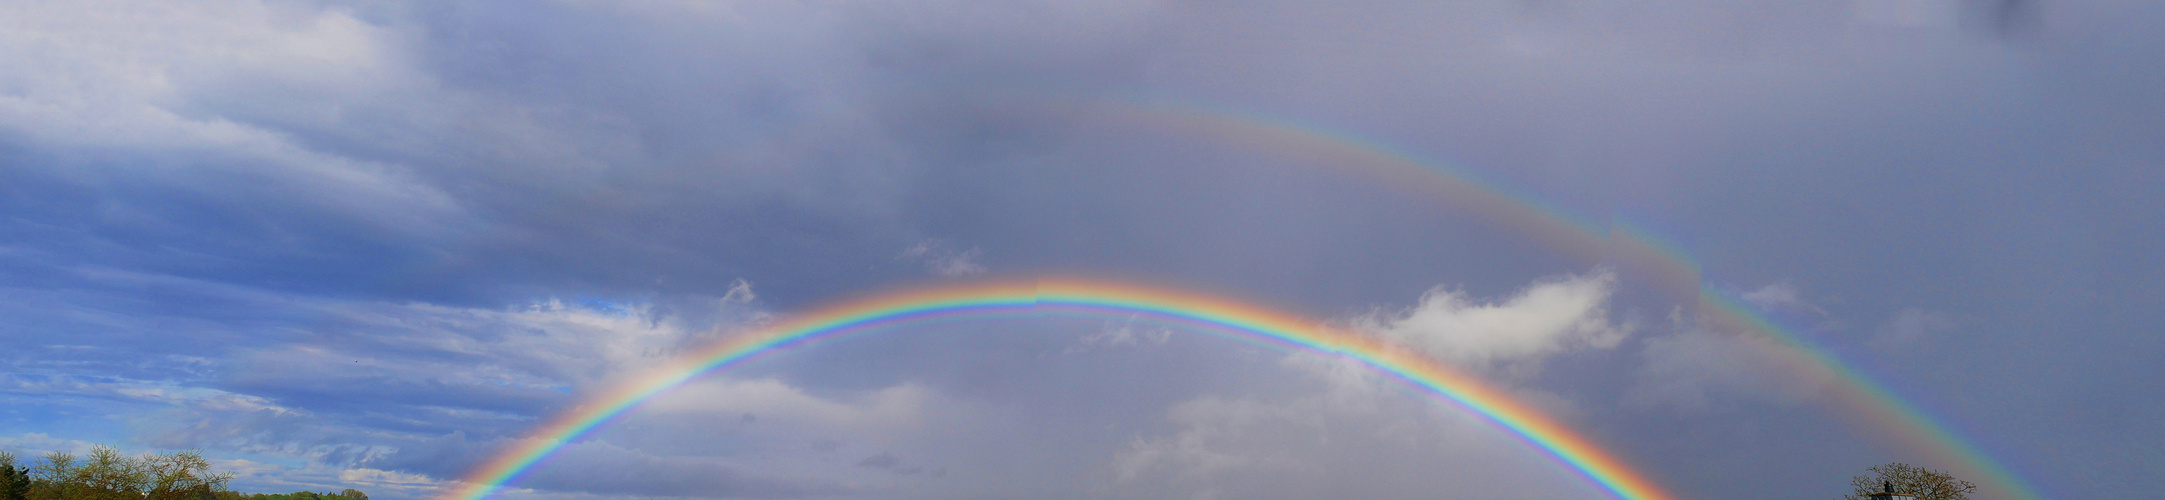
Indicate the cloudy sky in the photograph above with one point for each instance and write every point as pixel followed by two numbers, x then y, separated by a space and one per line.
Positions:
pixel 365 244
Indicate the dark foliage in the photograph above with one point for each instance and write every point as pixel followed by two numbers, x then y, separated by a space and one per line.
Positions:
pixel 108 474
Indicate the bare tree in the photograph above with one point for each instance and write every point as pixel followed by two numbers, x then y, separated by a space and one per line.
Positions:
pixel 1925 484
pixel 182 475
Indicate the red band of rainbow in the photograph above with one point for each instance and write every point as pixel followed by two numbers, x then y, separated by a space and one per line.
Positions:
pixel 1497 406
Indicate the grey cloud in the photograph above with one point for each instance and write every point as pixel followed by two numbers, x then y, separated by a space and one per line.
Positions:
pixel 520 361
pixel 1781 297
pixel 442 456
pixel 348 210
pixel 889 462
pixel 1355 437
pixel 1696 368
pixel 1121 333
pixel 944 259
pixel 1910 328
pixel 883 460
pixel 605 469
pixel 462 147
pixel 265 431
pixel 264 476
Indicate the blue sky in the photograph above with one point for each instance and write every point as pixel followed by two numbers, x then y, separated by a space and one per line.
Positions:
pixel 363 244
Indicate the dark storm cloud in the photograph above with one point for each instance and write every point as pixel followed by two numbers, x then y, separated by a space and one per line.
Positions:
pixel 774 151
pixel 501 153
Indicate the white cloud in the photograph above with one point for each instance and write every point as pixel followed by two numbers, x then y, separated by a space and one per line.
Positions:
pixel 1249 448
pixel 269 477
pixel 740 292
pixel 382 480
pixel 165 392
pixel 346 383
pixel 552 346
pixel 177 415
pixel 1546 318
pixel 384 396
pixel 1781 297
pixel 29 446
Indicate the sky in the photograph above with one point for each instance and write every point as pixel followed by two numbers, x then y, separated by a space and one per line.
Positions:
pixel 369 244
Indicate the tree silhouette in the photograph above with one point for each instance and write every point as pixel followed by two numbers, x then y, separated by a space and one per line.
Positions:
pixel 1925 484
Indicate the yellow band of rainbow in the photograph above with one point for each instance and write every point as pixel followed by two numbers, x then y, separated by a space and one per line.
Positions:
pixel 1589 239
pixel 1066 294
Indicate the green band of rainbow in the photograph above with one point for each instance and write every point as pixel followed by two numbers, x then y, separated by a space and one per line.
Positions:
pixel 1577 452
pixel 1590 240
pixel 1867 397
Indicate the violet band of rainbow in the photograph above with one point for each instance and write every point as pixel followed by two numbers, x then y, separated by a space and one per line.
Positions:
pixel 1574 451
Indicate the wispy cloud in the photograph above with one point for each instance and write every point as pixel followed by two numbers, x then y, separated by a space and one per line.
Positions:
pixel 944 259
pixel 1121 333
pixel 1781 296
pixel 1909 329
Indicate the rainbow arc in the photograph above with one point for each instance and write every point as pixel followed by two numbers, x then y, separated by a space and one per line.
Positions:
pixel 1056 295
pixel 1594 241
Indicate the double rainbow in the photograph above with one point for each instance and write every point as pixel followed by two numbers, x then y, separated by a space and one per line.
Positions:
pixel 1550 225
pixel 1057 295
pixel 1590 240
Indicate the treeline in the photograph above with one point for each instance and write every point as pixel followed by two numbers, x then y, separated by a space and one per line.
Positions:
pixel 108 474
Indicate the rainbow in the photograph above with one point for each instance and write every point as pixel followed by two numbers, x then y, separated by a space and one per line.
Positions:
pixel 1590 240
pixel 1055 295
pixel 1868 398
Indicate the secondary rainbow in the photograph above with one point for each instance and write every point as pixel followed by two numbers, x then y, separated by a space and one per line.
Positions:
pixel 1061 295
pixel 1591 240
